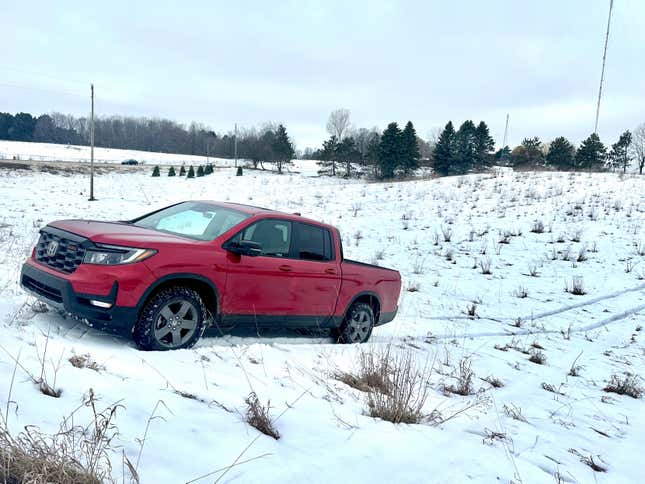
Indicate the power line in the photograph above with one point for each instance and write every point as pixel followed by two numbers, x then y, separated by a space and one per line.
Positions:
pixel 602 72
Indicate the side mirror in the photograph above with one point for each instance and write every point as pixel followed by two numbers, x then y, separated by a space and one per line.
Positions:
pixel 244 247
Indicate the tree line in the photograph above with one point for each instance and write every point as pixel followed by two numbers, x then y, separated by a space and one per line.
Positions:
pixel 268 144
pixel 348 151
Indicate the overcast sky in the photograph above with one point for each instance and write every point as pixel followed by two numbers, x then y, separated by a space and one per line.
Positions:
pixel 294 61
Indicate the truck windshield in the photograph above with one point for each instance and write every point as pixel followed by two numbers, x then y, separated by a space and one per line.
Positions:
pixel 195 220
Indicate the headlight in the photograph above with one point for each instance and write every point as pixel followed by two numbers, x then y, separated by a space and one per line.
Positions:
pixel 115 255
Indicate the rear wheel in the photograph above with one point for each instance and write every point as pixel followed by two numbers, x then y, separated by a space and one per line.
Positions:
pixel 357 325
pixel 173 318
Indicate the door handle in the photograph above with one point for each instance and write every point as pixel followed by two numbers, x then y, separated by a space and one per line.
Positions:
pixel 330 270
pixel 285 268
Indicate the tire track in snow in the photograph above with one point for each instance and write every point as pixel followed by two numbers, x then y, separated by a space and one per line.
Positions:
pixel 525 332
pixel 552 312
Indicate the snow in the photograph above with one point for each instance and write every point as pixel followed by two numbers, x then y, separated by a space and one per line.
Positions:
pixel 26 151
pixel 326 435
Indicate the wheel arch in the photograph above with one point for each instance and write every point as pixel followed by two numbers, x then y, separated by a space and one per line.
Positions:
pixel 370 298
pixel 204 286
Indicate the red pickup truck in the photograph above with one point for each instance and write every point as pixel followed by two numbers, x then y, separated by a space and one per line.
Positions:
pixel 164 277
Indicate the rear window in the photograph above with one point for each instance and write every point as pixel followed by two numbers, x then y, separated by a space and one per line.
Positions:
pixel 312 243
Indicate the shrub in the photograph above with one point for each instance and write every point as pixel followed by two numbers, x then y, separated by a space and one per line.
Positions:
pixel 171 171
pixel 209 169
pixel 628 385
pixel 408 391
pixel 464 376
pixel 182 171
pixel 576 287
pixel 537 357
pixel 200 170
pixel 155 171
pixel 239 171
pixel 537 227
pixel 191 172
pixel 257 416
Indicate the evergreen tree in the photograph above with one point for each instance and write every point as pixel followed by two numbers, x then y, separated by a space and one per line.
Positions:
pixel 209 169
pixel 282 148
pixel 390 150
pixel 328 155
pixel 465 148
pixel 372 153
pixel 171 171
pixel 503 156
pixel 591 154
pixel 200 170
pixel 348 153
pixel 155 171
pixel 444 151
pixel 191 172
pixel 411 155
pixel 528 154
pixel 620 156
pixel 484 146
pixel 182 171
pixel 561 154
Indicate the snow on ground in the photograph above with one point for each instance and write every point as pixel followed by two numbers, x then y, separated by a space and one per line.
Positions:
pixel 25 151
pixel 440 234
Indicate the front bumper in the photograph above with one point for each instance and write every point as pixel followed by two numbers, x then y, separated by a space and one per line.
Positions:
pixel 59 293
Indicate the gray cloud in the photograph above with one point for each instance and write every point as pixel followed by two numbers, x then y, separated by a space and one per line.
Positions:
pixel 253 61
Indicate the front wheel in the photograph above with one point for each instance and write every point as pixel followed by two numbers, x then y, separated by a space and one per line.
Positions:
pixel 172 319
pixel 357 325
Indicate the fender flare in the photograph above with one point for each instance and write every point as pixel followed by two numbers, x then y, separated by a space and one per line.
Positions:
pixel 181 275
pixel 371 294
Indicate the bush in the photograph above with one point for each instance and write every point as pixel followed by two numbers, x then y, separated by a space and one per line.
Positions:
pixel 257 416
pixel 239 171
pixel 155 171
pixel 171 171
pixel 182 171
pixel 626 386
pixel 200 170
pixel 191 172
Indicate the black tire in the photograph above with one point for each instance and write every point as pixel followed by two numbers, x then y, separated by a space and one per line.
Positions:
pixel 161 324
pixel 357 325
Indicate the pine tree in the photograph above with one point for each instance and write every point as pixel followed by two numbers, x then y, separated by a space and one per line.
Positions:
pixel 171 171
pixel 208 169
pixel 619 156
pixel 561 154
pixel 191 172
pixel 372 153
pixel 328 156
pixel 528 154
pixel 348 153
pixel 503 156
pixel 390 151
pixel 484 146
pixel 591 154
pixel 200 170
pixel 410 146
pixel 444 151
pixel 464 159
pixel 282 148
pixel 155 171
pixel 182 171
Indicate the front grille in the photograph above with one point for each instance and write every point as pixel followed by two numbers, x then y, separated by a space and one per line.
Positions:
pixel 42 289
pixel 68 253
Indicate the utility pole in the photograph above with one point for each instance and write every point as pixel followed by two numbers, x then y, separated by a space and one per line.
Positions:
pixel 235 145
pixel 92 144
pixel 602 73
pixel 505 132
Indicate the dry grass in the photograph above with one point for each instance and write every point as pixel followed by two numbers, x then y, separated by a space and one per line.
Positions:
pixel 627 385
pixel 373 373
pixel 464 375
pixel 74 454
pixel 85 361
pixel 408 391
pixel 257 416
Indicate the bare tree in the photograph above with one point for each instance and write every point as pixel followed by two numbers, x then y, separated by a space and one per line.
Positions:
pixel 638 146
pixel 338 123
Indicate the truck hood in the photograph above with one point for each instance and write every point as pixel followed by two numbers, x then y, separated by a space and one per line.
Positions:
pixel 119 233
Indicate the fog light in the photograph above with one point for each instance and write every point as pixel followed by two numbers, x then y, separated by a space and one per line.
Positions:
pixel 100 304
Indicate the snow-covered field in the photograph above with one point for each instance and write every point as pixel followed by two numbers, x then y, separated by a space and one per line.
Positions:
pixel 440 234
pixel 24 151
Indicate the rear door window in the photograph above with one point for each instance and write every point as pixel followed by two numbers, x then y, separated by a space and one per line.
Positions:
pixel 312 243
